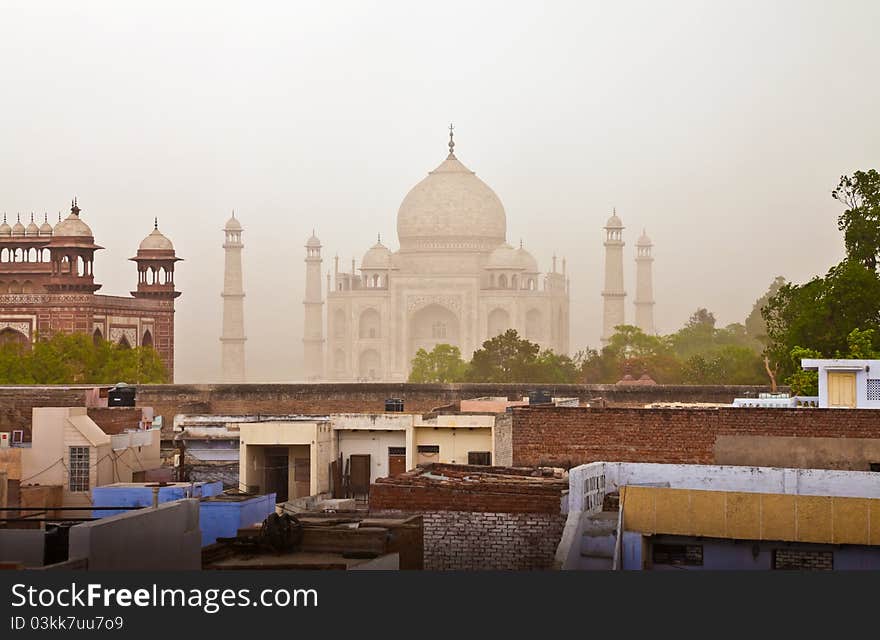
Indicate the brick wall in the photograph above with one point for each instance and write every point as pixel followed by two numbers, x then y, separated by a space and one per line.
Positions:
pixel 169 400
pixel 440 498
pixel 114 420
pixel 571 436
pixel 462 540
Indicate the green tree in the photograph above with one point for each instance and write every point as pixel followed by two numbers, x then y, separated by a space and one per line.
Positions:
pixel 821 314
pixel 77 359
pixel 504 358
pixel 442 364
pixel 756 327
pixel 860 222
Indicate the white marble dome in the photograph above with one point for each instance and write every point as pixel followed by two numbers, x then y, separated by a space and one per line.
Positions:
pixel 451 209
pixel 614 222
pixel 527 261
pixel 233 224
pixel 504 257
pixel 377 257
pixel 644 240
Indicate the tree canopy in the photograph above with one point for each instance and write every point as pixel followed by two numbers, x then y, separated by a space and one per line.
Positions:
pixel 78 359
pixel 442 364
pixel 504 358
pixel 838 315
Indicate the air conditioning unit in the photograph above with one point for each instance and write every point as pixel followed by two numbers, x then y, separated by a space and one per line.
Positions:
pixel 5 439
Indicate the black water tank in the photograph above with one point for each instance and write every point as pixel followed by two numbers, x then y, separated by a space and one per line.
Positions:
pixel 121 395
pixel 540 397
pixel 393 404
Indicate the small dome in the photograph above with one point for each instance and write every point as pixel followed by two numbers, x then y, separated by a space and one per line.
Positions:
pixel 72 226
pixel 527 260
pixel 505 257
pixel 313 241
pixel 614 222
pixel 377 257
pixel 233 224
pixel 644 240
pixel 45 228
pixel 5 229
pixel 32 229
pixel 156 241
pixel 18 228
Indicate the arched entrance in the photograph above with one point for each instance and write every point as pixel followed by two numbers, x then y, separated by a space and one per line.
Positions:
pixel 430 326
pixel 499 322
pixel 11 336
pixel 370 365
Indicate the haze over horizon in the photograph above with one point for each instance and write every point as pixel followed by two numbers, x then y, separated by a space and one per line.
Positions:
pixel 721 130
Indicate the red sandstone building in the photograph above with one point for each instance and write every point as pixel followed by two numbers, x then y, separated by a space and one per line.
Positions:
pixel 47 285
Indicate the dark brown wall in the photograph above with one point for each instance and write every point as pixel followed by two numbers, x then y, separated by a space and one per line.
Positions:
pixel 571 436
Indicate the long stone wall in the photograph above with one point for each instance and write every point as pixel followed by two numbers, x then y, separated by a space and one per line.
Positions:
pixel 170 400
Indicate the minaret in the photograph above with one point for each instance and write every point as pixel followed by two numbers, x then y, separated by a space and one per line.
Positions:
pixel 232 338
pixel 644 285
pixel 613 295
pixel 313 326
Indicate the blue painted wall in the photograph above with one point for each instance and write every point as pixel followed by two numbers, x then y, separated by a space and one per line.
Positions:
pixel 223 519
pixel 142 496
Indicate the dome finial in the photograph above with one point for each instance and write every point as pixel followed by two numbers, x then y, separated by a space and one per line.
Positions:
pixel 379 238
pixel 451 141
pixel 156 222
pixel 233 213
pixel 520 243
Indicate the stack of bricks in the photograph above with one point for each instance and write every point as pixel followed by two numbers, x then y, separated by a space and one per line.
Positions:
pixel 480 517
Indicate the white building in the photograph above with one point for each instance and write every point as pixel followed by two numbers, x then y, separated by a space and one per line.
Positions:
pixel 454 280
pixel 846 384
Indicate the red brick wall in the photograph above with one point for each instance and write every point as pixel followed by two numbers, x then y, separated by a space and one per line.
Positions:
pixel 386 495
pixel 571 436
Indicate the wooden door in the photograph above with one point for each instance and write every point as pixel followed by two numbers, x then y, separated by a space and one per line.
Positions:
pixel 359 478
pixel 302 477
pixel 842 389
pixel 396 461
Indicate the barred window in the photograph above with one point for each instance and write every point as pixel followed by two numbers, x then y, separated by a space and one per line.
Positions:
pixel 678 554
pixel 78 469
pixel 873 390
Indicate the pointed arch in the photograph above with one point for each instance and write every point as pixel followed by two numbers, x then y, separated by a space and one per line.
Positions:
pixel 97 336
pixel 124 343
pixel 12 336
pixel 147 339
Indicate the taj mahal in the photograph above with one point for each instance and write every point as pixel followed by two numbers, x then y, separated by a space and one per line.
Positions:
pixel 454 280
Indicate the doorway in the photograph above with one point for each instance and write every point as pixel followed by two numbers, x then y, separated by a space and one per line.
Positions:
pixel 842 389
pixel 277 472
pixel 396 461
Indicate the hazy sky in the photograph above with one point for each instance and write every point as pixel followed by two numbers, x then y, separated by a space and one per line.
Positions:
pixel 721 127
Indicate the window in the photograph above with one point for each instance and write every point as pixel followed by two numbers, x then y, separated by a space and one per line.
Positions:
pixel 17 436
pixel 873 389
pixel 78 469
pixel 480 458
pixel 396 451
pixel 678 554
pixel 429 448
pixel 872 466
pixel 438 330
pixel 803 560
